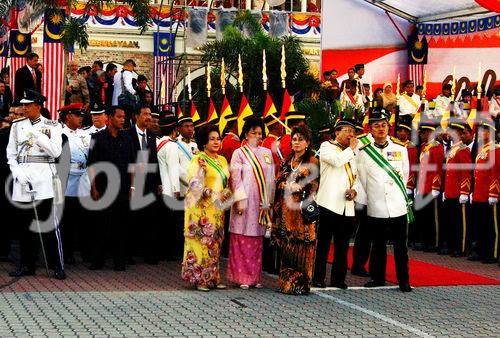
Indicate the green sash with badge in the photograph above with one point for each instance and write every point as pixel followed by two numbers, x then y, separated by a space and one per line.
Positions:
pixel 389 169
pixel 214 165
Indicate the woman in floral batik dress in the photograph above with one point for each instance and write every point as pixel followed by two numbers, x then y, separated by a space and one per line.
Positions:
pixel 208 174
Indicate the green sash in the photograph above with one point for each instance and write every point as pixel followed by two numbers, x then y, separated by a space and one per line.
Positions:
pixel 216 167
pixel 389 169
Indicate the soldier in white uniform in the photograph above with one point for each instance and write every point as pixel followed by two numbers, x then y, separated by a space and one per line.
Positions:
pixel 99 119
pixel 34 145
pixel 387 201
pixel 168 162
pixel 187 148
pixel 409 103
pixel 74 220
pixel 168 157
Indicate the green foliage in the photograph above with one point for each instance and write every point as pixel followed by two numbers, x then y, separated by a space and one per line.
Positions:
pixel 75 31
pixel 235 43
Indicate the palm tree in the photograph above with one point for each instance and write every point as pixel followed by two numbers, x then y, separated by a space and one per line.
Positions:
pixel 246 38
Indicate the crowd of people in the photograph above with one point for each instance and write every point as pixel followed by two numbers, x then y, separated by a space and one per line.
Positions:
pixel 116 177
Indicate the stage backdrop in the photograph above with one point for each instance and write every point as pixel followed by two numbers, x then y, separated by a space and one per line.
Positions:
pixel 354 31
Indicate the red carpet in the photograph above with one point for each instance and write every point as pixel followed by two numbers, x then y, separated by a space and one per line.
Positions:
pixel 426 274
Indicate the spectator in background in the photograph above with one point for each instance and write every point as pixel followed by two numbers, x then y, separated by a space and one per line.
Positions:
pixel 123 80
pixel 419 90
pixel 76 87
pixel 5 100
pixel 148 101
pixel 142 84
pixel 98 93
pixel 28 77
pixel 347 82
pixel 387 98
pixel 5 77
pixel 111 70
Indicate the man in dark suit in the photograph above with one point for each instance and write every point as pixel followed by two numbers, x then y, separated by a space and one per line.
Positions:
pixel 148 185
pixel 28 77
pixel 5 100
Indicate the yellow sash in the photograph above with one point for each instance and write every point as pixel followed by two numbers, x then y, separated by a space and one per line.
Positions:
pixel 258 172
pixel 409 99
pixel 347 166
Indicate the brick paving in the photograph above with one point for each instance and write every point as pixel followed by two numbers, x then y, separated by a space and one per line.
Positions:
pixel 152 301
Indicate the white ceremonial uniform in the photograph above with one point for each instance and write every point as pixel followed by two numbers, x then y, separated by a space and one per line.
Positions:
pixel 334 180
pixel 168 162
pixel 442 104
pixel 384 198
pixel 186 152
pixel 31 152
pixel 408 105
pixel 78 179
pixel 93 129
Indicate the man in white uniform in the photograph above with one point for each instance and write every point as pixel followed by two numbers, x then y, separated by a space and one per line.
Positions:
pixel 74 220
pixel 34 145
pixel 187 148
pixel 336 194
pixel 383 169
pixel 409 103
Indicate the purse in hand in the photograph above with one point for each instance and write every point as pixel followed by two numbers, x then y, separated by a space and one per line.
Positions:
pixel 309 209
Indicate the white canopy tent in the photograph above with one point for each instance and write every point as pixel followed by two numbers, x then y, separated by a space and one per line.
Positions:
pixel 418 11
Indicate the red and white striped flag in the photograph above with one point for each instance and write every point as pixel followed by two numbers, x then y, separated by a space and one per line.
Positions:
pixel 53 60
pixel 416 73
pixel 53 76
pixel 164 76
pixel 15 64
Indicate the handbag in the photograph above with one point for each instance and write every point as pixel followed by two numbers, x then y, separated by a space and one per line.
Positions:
pixel 309 210
pixel 126 99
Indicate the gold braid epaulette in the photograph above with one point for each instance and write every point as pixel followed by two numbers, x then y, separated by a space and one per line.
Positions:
pixel 397 141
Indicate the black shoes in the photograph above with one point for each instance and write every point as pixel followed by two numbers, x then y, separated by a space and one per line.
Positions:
pixel 22 271
pixel 405 287
pixel 59 274
pixel 321 285
pixel 374 284
pixel 342 286
pixel 360 272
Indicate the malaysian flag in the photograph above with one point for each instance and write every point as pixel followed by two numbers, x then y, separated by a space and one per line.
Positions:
pixel 4 49
pixel 164 75
pixel 20 46
pixel 53 61
pixel 417 58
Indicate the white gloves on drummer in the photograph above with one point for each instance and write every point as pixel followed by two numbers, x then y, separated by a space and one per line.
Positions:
pixel 492 200
pixel 463 199
pixel 435 193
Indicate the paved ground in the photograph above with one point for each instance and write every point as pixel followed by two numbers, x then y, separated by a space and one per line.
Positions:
pixel 147 301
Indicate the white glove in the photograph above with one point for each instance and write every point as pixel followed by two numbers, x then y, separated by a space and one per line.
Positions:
pixel 470 198
pixel 409 191
pixel 492 200
pixel 435 193
pixel 20 176
pixel 443 197
pixel 463 199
